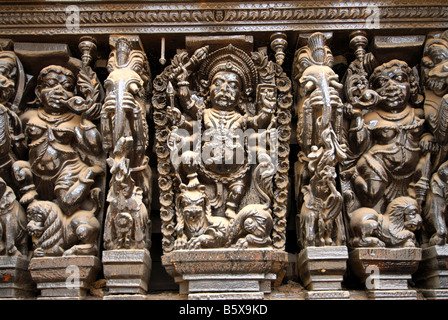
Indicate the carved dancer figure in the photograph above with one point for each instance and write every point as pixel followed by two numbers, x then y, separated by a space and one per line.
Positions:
pixel 319 110
pixel 62 167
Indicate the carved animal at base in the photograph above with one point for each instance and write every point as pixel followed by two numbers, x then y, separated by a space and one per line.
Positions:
pixel 55 234
pixel 252 227
pixel 395 228
pixel 13 235
pixel 196 227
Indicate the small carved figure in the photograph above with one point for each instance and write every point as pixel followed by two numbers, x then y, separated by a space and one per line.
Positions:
pixel 196 227
pixel 13 235
pixel 394 228
pixel 127 223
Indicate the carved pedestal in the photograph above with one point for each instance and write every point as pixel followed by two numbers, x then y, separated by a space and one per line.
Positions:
pixel 127 273
pixel 321 270
pixel 222 274
pixel 432 274
pixel 15 279
pixel 64 277
pixel 386 271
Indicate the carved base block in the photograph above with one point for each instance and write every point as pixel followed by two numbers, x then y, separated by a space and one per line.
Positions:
pixel 15 278
pixel 127 271
pixel 225 273
pixel 434 294
pixel 64 277
pixel 328 295
pixel 433 271
pixel 322 269
pixel 386 271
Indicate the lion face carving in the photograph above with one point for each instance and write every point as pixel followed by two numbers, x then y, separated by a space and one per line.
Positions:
pixel 55 236
pixel 394 228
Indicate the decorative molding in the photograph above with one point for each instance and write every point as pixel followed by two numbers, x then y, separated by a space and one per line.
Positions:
pixel 190 17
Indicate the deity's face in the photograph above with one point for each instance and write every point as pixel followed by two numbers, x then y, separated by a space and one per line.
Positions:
pixel 438 73
pixel 225 90
pixel 7 84
pixel 392 83
pixel 54 90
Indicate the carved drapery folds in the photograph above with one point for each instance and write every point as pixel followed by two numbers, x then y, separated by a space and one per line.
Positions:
pixel 222 120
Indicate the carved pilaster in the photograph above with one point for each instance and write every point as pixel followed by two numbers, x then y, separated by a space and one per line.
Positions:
pixel 127 231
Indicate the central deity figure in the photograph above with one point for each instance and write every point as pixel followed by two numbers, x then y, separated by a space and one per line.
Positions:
pixel 222 135
pixel 231 75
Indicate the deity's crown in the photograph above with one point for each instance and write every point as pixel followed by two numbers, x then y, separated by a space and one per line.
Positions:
pixel 231 59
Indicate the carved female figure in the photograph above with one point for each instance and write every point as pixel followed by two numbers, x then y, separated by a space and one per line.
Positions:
pixel 395 149
pixel 62 149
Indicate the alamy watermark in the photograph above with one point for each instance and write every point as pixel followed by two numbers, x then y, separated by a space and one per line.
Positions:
pixel 373 18
pixel 72 21
pixel 72 280
pixel 224 146
pixel 373 280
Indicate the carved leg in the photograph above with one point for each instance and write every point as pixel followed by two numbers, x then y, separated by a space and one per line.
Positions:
pixel 24 178
pixel 236 193
pixel 71 194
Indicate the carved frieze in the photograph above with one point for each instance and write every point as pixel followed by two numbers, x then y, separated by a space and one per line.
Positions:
pixel 211 16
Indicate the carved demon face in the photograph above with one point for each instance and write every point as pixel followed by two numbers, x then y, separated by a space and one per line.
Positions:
pixel 55 86
pixel 436 61
pixel 8 71
pixel 225 90
pixel 194 207
pixel 392 81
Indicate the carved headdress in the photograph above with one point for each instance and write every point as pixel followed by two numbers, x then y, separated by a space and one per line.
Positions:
pixel 232 59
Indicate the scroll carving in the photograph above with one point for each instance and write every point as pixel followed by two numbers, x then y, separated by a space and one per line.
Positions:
pixel 222 123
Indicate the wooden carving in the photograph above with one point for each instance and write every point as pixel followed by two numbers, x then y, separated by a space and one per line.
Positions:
pixel 126 139
pixel 435 84
pixel 13 235
pixel 219 117
pixel 319 111
pixel 59 183
pixel 386 178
